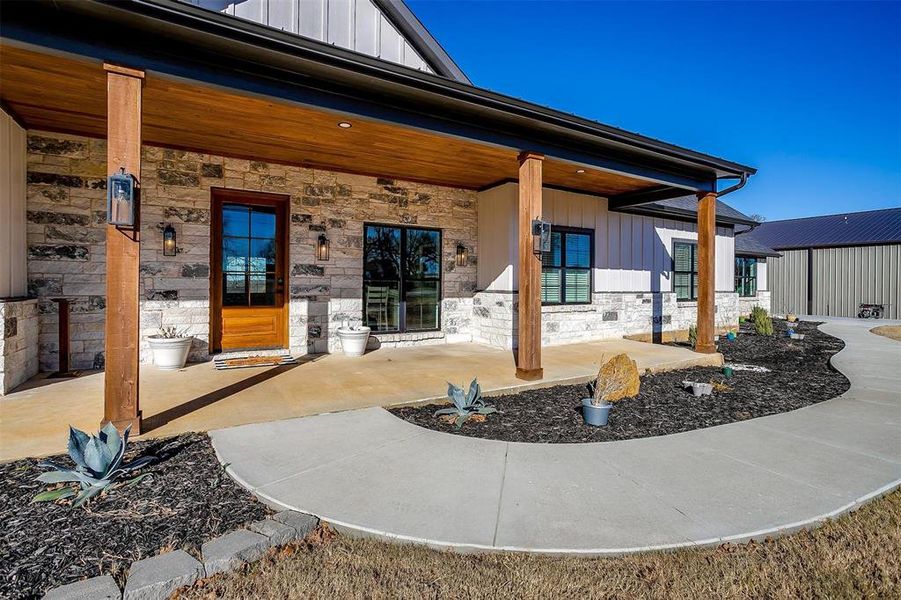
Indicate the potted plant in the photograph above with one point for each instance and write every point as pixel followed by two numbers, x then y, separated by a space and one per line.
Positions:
pixel 170 348
pixel 353 339
pixel 698 388
pixel 595 410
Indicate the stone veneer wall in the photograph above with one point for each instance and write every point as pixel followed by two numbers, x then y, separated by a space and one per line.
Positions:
pixel 610 315
pixel 66 251
pixel 746 304
pixel 19 342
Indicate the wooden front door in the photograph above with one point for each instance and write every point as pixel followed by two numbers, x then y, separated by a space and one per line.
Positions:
pixel 249 250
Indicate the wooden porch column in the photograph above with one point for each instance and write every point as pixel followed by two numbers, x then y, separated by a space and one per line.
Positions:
pixel 528 357
pixel 123 251
pixel 706 272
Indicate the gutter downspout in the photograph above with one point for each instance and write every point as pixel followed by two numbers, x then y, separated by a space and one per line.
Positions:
pixel 737 186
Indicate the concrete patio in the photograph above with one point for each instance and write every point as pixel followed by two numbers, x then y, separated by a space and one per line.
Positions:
pixel 34 420
pixel 368 472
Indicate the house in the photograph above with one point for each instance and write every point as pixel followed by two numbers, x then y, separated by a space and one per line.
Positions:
pixel 299 165
pixel 832 264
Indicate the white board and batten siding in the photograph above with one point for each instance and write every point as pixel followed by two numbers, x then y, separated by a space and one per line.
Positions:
pixel 13 273
pixel 356 25
pixel 632 253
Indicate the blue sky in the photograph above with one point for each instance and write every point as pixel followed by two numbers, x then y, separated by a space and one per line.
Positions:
pixel 809 93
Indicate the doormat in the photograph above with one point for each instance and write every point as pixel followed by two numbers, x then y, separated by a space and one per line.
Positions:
pixel 254 361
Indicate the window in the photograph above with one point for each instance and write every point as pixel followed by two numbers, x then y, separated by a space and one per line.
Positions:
pixel 401 278
pixel 685 270
pixel 566 269
pixel 248 255
pixel 746 275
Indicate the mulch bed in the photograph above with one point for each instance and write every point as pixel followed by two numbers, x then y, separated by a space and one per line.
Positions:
pixel 187 500
pixel 799 376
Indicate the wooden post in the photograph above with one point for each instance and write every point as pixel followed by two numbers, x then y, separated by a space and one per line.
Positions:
pixel 62 334
pixel 528 363
pixel 706 272
pixel 123 252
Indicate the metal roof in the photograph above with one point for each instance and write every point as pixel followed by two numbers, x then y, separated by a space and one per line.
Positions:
pixel 687 206
pixel 746 245
pixel 846 229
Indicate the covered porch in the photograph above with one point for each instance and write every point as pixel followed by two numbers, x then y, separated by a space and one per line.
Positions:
pixel 225 90
pixel 34 420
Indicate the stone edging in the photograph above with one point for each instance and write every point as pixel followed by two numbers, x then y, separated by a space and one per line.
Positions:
pixel 157 577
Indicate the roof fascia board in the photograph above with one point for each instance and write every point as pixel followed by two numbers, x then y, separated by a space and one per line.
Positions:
pixel 421 39
pixel 462 91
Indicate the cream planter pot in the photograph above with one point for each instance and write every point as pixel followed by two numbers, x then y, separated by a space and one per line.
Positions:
pixel 353 340
pixel 169 354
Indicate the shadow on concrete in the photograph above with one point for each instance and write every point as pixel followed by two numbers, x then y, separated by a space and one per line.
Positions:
pixel 170 414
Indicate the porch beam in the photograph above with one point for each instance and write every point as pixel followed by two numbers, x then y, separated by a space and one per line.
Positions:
pixel 123 251
pixel 655 194
pixel 706 273
pixel 528 353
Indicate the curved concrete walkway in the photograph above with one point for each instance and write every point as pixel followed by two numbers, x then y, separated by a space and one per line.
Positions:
pixel 369 472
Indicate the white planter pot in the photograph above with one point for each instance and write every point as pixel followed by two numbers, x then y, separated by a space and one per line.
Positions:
pixel 169 354
pixel 353 340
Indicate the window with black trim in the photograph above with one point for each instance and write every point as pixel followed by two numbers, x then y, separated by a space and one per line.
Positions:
pixel 746 275
pixel 401 278
pixel 566 269
pixel 685 270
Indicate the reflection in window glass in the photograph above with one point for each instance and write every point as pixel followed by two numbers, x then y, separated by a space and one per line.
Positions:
pixel 401 278
pixel 249 255
pixel 685 270
pixel 746 275
pixel 566 269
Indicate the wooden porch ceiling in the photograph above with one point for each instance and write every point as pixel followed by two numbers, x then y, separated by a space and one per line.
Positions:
pixel 68 95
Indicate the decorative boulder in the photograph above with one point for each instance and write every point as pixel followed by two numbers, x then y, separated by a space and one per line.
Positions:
pixel 618 378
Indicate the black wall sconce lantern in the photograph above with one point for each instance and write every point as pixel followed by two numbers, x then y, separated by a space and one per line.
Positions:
pixel 169 241
pixel 322 247
pixel 120 199
pixel 462 255
pixel 541 236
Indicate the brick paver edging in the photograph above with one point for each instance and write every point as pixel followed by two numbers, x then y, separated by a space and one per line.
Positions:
pixel 155 578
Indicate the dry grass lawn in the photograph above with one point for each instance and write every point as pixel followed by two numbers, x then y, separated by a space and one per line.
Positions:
pixel 857 556
pixel 889 331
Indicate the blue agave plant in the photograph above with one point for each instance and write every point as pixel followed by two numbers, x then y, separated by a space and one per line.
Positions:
pixel 98 461
pixel 465 405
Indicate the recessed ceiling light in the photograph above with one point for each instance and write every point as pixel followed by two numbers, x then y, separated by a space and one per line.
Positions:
pixel 344 125
pixel 580 171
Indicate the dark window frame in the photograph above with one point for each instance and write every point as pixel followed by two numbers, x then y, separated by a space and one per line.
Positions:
pixel 402 317
pixel 748 278
pixel 693 273
pixel 563 230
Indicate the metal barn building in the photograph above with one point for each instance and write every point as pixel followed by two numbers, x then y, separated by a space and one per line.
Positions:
pixel 833 264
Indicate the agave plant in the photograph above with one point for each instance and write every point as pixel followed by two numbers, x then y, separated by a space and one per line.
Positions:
pixel 465 405
pixel 98 461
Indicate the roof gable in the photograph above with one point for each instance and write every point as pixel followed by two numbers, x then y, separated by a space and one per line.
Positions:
pixel 385 29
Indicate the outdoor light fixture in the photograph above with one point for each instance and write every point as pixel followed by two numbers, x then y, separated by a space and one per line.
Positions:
pixel 344 125
pixel 462 255
pixel 120 199
pixel 541 236
pixel 169 247
pixel 580 171
pixel 322 247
